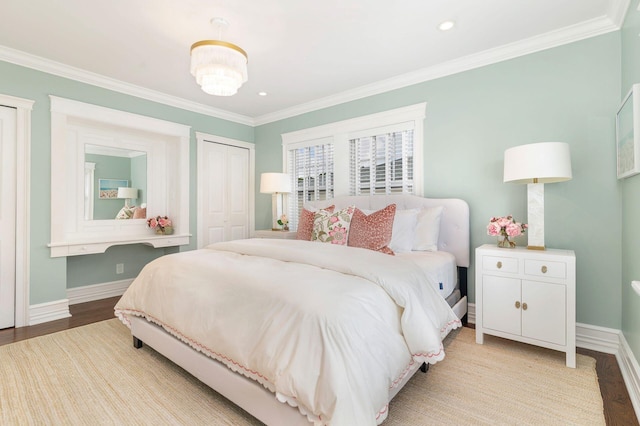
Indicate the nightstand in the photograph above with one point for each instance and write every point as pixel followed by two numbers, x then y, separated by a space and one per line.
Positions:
pixel 268 233
pixel 528 296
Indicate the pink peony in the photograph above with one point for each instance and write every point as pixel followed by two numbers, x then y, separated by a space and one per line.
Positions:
pixel 493 229
pixel 153 223
pixel 513 229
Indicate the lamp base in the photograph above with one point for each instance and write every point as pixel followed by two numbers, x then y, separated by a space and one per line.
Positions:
pixel 536 248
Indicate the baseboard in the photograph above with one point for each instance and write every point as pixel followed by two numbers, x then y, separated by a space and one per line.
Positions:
pixel 50 311
pixel 93 292
pixel 605 340
pixel 630 373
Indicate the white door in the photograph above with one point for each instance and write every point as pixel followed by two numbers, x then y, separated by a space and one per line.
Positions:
pixel 7 216
pixel 225 193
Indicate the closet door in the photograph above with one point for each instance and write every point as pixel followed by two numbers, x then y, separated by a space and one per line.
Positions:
pixel 225 193
pixel 7 216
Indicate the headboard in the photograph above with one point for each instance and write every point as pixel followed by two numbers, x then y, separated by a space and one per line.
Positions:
pixel 454 222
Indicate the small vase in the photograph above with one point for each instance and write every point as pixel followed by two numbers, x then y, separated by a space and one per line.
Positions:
pixel 167 230
pixel 505 242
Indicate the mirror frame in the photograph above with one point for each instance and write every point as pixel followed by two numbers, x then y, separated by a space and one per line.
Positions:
pixel 167 148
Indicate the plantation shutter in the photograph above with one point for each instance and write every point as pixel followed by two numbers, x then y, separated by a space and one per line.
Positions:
pixel 382 164
pixel 312 173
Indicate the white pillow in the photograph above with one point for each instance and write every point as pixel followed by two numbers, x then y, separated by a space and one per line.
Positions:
pixel 404 224
pixel 427 229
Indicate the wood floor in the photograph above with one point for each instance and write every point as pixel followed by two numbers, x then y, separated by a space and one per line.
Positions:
pixel 618 409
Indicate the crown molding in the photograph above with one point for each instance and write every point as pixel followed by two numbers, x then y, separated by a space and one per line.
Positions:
pixel 24 59
pixel 584 30
pixel 612 21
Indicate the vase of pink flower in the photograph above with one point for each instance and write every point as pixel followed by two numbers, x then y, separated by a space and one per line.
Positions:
pixel 505 228
pixel 161 224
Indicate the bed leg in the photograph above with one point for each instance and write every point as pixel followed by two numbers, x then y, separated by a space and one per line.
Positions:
pixel 424 367
pixel 137 343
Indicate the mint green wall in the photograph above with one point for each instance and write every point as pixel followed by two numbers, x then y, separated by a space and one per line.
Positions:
pixel 630 192
pixel 49 278
pixel 139 178
pixel 570 94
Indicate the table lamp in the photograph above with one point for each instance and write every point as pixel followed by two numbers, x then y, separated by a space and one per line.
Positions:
pixel 127 194
pixel 275 184
pixel 536 164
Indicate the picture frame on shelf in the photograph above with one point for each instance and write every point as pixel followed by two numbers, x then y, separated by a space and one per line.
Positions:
pixel 628 134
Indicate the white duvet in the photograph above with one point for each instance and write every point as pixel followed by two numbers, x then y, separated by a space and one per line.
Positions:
pixel 327 328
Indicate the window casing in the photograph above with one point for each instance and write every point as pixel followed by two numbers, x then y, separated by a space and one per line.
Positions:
pixel 336 159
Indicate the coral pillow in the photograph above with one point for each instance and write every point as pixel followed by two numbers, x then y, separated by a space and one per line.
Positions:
pixel 373 231
pixel 305 223
pixel 332 227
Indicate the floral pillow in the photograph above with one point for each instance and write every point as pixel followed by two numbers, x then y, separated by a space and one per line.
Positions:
pixel 373 231
pixel 332 227
pixel 305 223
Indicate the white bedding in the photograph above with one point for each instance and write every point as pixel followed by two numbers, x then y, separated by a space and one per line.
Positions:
pixel 440 266
pixel 327 328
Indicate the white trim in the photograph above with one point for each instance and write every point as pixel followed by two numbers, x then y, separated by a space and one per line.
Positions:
pixel 49 311
pixel 471 313
pixel 89 293
pixel 62 70
pixel 592 28
pixel 340 132
pixel 167 146
pixel 595 27
pixel 201 139
pixel 23 210
pixel 630 373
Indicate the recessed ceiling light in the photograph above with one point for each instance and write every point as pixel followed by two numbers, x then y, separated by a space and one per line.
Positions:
pixel 446 25
pixel 262 93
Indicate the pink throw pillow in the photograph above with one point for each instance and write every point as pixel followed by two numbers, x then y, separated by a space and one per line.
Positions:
pixel 373 231
pixel 305 223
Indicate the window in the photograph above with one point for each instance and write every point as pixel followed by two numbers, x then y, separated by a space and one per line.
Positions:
pixel 381 164
pixel 369 155
pixel 311 170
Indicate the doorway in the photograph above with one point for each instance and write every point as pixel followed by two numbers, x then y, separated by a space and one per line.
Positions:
pixel 8 143
pixel 225 189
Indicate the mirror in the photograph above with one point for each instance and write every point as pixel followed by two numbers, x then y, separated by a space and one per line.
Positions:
pixel 154 160
pixel 106 169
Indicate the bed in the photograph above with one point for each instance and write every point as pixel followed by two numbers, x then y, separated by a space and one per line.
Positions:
pixel 298 332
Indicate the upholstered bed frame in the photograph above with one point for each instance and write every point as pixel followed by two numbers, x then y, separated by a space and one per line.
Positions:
pixel 253 397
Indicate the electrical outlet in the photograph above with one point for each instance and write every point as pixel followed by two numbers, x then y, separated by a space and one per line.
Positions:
pixel 119 268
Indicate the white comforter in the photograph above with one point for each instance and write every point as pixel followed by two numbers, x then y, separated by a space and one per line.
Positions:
pixel 327 328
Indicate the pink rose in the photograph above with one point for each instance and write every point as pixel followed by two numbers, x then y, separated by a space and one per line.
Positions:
pixel 164 222
pixel 504 221
pixel 513 229
pixel 152 223
pixel 493 229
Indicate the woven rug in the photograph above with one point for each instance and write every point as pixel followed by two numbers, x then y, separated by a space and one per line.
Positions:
pixel 93 375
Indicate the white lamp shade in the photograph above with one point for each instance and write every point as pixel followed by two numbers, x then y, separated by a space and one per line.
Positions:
pixel 271 183
pixel 544 162
pixel 127 192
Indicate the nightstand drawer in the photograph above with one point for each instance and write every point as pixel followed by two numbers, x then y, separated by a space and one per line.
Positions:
pixel 543 268
pixel 500 264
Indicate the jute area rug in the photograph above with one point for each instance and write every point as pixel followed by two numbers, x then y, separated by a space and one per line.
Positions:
pixel 93 375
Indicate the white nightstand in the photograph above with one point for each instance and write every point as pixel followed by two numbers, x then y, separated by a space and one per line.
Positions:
pixel 268 233
pixel 527 295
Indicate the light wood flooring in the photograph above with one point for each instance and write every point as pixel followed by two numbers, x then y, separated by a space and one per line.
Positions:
pixel 618 409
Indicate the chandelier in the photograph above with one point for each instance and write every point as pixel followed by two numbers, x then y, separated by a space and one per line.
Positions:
pixel 219 67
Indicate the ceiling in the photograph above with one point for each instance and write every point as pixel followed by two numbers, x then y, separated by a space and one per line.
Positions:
pixel 305 55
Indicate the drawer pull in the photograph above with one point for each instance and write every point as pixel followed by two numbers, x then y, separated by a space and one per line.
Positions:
pixel 544 269
pixel 517 305
pixel 499 265
pixel 524 306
